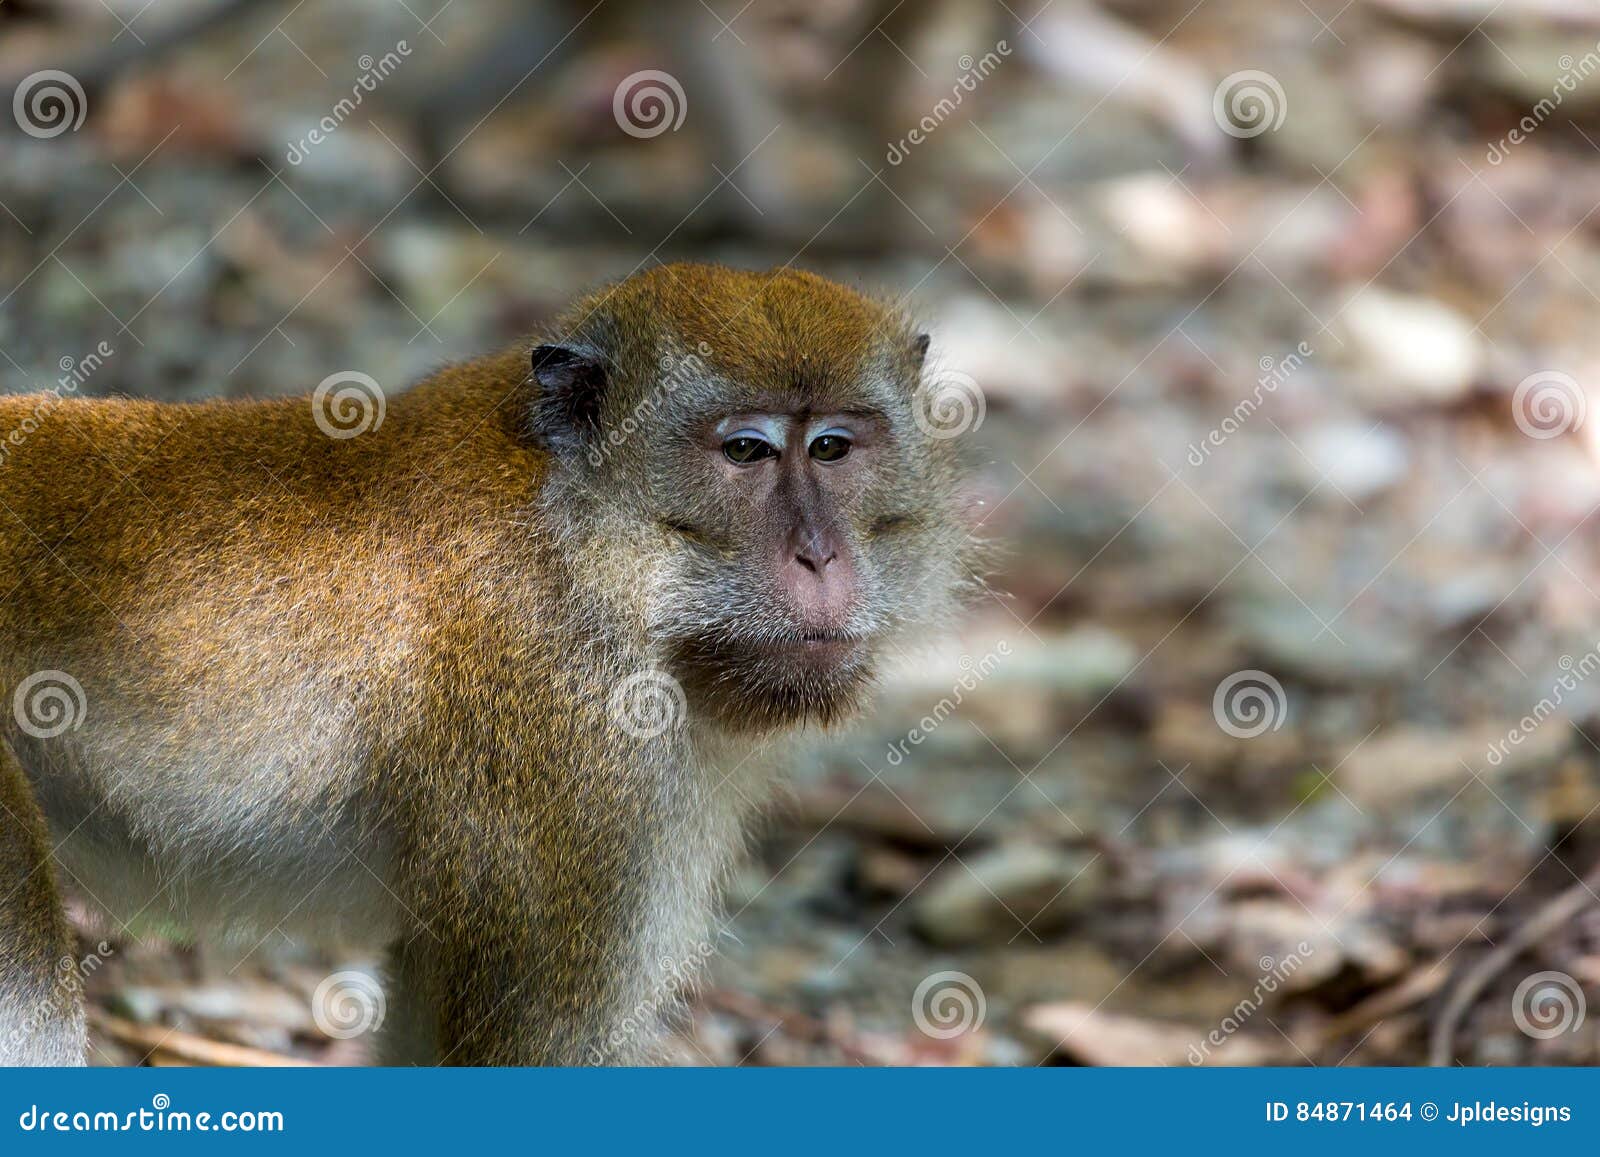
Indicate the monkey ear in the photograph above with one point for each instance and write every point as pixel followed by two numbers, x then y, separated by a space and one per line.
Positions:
pixel 571 382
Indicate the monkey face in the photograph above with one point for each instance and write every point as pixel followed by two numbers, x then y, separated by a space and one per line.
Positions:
pixel 806 537
pixel 801 520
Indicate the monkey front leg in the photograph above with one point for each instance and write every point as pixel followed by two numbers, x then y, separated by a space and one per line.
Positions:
pixel 536 959
pixel 41 1010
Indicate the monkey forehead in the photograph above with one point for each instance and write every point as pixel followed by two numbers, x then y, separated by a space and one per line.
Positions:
pixel 782 330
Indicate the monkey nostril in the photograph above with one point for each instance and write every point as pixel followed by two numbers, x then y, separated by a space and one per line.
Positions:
pixel 816 562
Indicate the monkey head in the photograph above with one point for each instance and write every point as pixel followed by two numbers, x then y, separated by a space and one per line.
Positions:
pixel 749 457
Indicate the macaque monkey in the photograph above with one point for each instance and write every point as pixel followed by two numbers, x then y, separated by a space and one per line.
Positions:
pixel 485 673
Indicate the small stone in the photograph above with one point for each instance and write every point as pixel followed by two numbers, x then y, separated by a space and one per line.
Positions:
pixel 1355 460
pixel 979 336
pixel 1007 892
pixel 1164 222
pixel 1286 945
pixel 1407 761
pixel 1409 351
pixel 1288 641
pixel 886 872
pixel 1529 63
pixel 1092 1036
pixel 1469 596
pixel 1077 664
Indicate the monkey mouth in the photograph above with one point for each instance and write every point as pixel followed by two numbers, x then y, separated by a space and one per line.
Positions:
pixel 816 651
pixel 818 676
pixel 824 639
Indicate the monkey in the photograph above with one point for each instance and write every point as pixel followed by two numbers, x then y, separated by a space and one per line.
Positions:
pixel 488 675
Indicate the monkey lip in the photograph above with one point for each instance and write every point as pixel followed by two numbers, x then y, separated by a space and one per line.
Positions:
pixel 820 642
pixel 818 653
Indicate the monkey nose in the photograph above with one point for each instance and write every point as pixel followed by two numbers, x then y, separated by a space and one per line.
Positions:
pixel 815 557
pixel 820 581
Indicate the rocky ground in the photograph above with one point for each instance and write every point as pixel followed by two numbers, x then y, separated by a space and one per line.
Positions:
pixel 1274 741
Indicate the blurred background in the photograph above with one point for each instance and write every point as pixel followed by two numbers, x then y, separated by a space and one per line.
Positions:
pixel 1273 331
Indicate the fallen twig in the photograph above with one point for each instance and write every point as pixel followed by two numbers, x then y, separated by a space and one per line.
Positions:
pixel 1553 914
pixel 1416 987
pixel 174 1044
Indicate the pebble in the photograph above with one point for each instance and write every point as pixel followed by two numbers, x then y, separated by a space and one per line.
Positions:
pixel 1409 351
pixel 1006 893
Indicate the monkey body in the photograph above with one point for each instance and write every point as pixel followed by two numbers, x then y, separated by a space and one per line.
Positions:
pixel 259 652
pixel 365 690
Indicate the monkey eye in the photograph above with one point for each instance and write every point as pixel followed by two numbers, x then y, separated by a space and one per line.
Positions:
pixel 747 449
pixel 829 447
